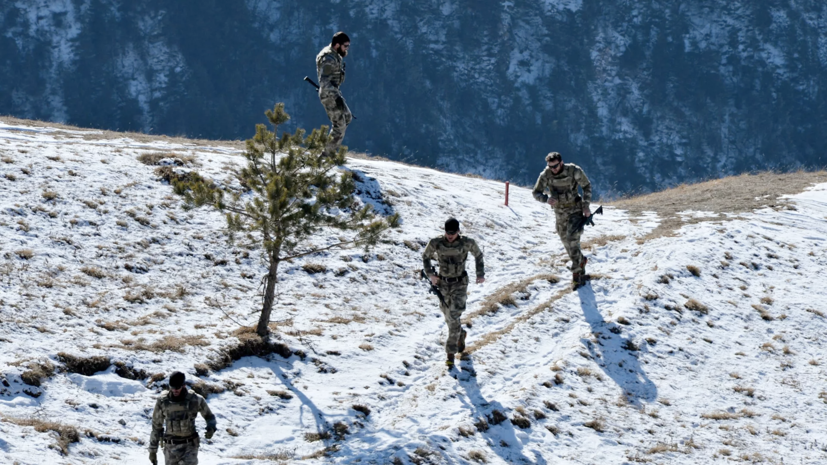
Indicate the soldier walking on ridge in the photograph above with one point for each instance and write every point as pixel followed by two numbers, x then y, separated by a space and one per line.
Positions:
pixel 330 68
pixel 451 251
pixel 561 182
pixel 173 424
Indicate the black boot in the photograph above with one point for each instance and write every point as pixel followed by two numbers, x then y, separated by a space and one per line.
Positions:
pixel 461 343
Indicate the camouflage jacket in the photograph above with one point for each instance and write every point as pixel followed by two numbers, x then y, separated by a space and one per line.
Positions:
pixel 330 68
pixel 563 187
pixel 451 256
pixel 177 418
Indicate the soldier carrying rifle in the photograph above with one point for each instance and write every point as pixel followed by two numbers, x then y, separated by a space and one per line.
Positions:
pixel 561 181
pixel 451 251
pixel 173 424
pixel 330 68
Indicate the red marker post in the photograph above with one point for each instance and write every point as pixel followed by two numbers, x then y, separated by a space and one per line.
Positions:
pixel 506 193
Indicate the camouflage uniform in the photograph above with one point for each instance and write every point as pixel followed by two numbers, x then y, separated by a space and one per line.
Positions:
pixel 330 68
pixel 453 282
pixel 174 419
pixel 569 207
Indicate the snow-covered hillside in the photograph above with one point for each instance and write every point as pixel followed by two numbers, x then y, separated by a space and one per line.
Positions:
pixel 700 346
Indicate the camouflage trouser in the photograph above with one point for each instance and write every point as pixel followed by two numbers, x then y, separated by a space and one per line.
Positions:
pixel 181 454
pixel 564 219
pixel 454 295
pixel 340 118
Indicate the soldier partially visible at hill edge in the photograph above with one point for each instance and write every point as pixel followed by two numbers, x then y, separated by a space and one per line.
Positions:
pixel 561 180
pixel 173 424
pixel 330 68
pixel 451 251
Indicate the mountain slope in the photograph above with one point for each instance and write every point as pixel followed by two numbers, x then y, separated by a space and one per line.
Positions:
pixel 690 345
pixel 650 94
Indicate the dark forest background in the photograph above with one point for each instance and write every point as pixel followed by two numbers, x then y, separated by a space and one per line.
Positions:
pixel 642 94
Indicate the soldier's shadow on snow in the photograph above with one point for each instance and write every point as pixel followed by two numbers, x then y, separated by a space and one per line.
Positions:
pixel 504 431
pixel 317 416
pixel 616 355
pixel 370 192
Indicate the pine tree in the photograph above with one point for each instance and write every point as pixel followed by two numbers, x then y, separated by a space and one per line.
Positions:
pixel 288 194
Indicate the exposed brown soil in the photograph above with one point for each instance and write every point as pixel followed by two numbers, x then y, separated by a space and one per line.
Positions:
pixel 735 194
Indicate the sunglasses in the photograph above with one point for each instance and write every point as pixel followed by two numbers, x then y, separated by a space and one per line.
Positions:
pixel 451 233
pixel 554 166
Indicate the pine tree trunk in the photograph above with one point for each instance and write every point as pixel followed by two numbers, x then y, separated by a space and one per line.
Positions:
pixel 269 295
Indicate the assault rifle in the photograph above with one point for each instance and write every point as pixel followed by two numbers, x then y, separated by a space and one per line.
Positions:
pixel 433 290
pixel 581 222
pixel 313 83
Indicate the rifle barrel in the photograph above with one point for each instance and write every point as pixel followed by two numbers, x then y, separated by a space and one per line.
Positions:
pixel 311 82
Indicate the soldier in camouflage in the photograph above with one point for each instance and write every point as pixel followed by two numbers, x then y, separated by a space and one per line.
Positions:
pixel 451 251
pixel 561 181
pixel 330 68
pixel 173 422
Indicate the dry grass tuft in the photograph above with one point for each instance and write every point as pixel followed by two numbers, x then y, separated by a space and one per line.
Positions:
pixel 495 335
pixel 166 343
pixel 37 372
pixel 361 408
pixel 206 389
pixel 283 395
pixel 66 434
pixel 601 241
pixel 815 312
pixel 140 296
pixel 661 447
pixel 584 372
pixel 694 270
pixel 765 315
pixel 318 436
pixel 86 366
pixel 340 429
pixel 477 456
pixel 280 456
pixel 155 157
pixel 721 416
pixel 505 295
pixel 520 422
pixel 694 305
pixel 340 320
pixel 466 432
pixel 313 268
pixel 25 254
pixel 748 391
pixel 93 271
pixel 250 344
pixel 597 424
